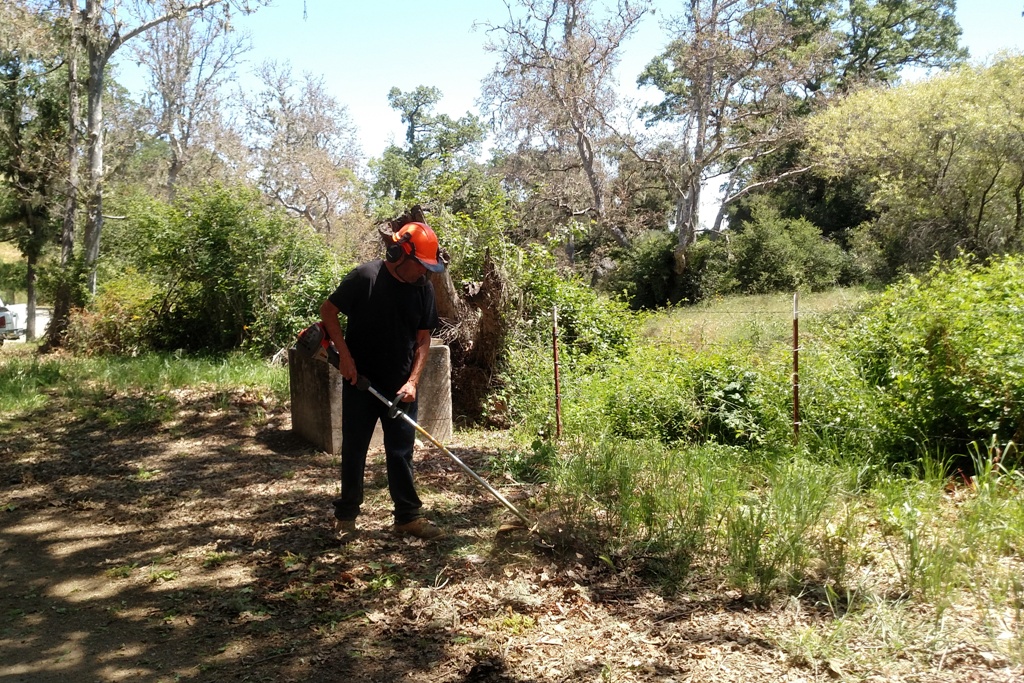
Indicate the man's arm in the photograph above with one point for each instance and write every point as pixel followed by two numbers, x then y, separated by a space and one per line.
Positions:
pixel 419 361
pixel 346 364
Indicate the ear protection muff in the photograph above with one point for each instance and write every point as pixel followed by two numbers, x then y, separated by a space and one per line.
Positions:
pixel 403 246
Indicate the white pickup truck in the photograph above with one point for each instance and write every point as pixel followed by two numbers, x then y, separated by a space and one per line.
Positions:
pixel 9 324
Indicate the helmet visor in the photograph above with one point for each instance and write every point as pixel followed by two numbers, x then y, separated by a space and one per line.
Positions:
pixel 431 264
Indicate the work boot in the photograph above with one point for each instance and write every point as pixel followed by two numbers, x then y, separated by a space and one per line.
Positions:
pixel 346 530
pixel 420 528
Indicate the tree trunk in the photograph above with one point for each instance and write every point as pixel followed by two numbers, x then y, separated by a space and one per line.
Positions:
pixel 30 288
pixel 686 217
pixel 98 56
pixel 61 313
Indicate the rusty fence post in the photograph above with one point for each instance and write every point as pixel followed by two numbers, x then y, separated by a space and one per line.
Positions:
pixel 558 384
pixel 796 367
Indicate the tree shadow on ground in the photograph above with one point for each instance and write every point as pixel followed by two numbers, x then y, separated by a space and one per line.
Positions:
pixel 188 539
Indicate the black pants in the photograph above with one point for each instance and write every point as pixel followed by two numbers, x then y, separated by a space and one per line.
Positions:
pixel 360 411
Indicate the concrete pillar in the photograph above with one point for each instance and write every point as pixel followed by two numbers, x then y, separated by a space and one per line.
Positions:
pixel 316 399
pixel 434 393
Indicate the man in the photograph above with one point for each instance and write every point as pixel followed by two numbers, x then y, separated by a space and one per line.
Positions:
pixel 390 310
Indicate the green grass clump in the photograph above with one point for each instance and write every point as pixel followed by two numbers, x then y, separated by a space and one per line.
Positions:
pixel 26 380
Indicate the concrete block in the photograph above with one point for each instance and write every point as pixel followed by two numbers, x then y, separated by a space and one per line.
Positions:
pixel 316 399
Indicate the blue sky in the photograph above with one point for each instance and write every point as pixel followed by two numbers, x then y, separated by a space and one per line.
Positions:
pixel 363 49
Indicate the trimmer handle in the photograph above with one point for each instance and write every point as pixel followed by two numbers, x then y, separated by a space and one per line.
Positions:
pixel 396 406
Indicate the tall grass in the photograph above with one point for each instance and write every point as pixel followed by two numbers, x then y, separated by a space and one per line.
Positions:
pixel 680 457
pixel 761 320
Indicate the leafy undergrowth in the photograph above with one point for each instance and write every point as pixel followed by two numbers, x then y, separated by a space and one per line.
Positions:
pixel 185 535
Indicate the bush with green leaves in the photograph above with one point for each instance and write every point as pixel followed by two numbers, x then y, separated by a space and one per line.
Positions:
pixel 644 276
pixel 12 279
pixel 119 320
pixel 223 271
pixel 656 393
pixel 774 254
pixel 678 394
pixel 589 323
pixel 707 271
pixel 944 354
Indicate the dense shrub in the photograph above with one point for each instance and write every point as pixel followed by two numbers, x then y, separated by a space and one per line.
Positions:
pixel 215 271
pixel 589 324
pixel 656 393
pixel 944 352
pixel 644 276
pixel 707 271
pixel 778 254
pixel 119 321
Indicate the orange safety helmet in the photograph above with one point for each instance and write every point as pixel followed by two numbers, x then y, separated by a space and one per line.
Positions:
pixel 418 241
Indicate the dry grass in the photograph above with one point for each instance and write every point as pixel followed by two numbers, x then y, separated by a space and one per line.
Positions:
pixel 758 319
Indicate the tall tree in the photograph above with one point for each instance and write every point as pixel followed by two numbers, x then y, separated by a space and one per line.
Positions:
pixel 99 28
pixel 942 160
pixel 552 94
pixel 304 146
pixel 865 43
pixel 103 33
pixel 436 145
pixel 95 30
pixel 728 79
pixel 32 100
pixel 188 60
pixel 883 37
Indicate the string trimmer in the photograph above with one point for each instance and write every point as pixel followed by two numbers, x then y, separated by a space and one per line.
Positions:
pixel 315 342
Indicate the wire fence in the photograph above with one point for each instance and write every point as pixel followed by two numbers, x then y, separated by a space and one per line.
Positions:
pixel 798 336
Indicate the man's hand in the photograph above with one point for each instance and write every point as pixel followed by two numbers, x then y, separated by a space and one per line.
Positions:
pixel 408 392
pixel 332 325
pixel 347 366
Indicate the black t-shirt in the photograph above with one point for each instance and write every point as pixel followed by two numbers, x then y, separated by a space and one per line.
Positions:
pixel 384 314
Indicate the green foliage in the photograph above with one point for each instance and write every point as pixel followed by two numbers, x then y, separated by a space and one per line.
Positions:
pixel 769 529
pixel 872 41
pixel 472 221
pixel 118 321
pixel 527 465
pixel 12 279
pixel 943 353
pixel 26 382
pixel 438 150
pixel 214 272
pixel 707 271
pixel 730 406
pixel 589 324
pixel 662 394
pixel 649 397
pixel 644 275
pixel 777 254
pixel 33 130
pixel 629 498
pixel 941 160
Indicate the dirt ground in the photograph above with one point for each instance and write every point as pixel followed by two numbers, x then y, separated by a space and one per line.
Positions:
pixel 187 536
